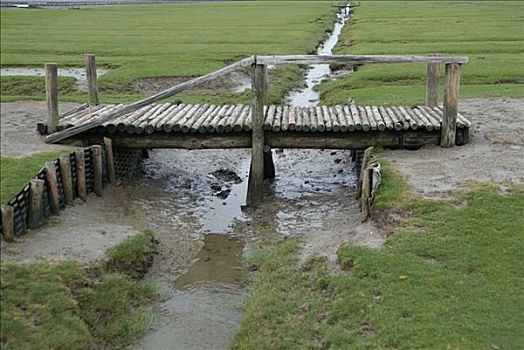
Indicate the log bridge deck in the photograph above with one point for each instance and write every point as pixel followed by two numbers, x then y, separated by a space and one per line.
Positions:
pixel 148 124
pixel 171 125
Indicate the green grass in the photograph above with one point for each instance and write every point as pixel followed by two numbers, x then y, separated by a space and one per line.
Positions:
pixel 170 40
pixel 15 173
pixel 451 277
pixel 49 305
pixel 490 33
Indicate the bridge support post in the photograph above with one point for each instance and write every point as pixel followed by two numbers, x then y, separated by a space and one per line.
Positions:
pixel 432 84
pixel 92 84
pixel 449 115
pixel 51 91
pixel 256 173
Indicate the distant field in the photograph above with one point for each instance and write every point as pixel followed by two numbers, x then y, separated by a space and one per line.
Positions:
pixel 490 33
pixel 158 40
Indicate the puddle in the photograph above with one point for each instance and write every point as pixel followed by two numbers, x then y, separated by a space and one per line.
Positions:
pixel 317 72
pixel 78 73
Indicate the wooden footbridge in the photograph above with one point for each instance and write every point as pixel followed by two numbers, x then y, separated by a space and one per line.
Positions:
pixel 148 124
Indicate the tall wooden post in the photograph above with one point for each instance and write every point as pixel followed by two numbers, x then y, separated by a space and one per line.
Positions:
pixel 432 84
pixel 8 222
pixel 80 174
pixel 51 91
pixel 110 160
pixel 36 192
pixel 449 115
pixel 97 169
pixel 52 188
pixel 92 84
pixel 67 179
pixel 256 174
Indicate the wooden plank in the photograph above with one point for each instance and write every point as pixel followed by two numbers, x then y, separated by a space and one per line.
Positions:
pixel 67 178
pixel 357 59
pixel 51 91
pixel 97 169
pixel 256 176
pixel 52 188
pixel 59 136
pixel 451 93
pixel 92 81
pixel 80 174
pixel 110 160
pixel 432 83
pixel 8 222
pixel 36 192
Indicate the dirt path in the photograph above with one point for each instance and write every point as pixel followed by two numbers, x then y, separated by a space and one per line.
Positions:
pixel 18 127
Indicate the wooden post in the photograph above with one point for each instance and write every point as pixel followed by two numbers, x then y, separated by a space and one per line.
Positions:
pixel 432 84
pixel 366 192
pixel 67 179
pixel 97 168
pixel 363 165
pixel 110 160
pixel 92 84
pixel 8 223
pixel 256 174
pixel 51 91
pixel 269 166
pixel 449 116
pixel 36 192
pixel 52 188
pixel 80 174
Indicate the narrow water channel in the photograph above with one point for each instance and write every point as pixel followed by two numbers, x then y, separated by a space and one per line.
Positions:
pixel 318 72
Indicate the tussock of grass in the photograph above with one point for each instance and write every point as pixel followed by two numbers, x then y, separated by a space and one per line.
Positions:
pixel 59 305
pixel 490 33
pixel 15 173
pixel 134 255
pixel 450 277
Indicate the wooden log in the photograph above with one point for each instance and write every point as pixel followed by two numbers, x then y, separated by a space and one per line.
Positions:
pixel 397 124
pixel 187 119
pixel 368 152
pixel 143 120
pixel 165 116
pixel 355 114
pixel 221 124
pixel 88 110
pixel 366 122
pixel 207 118
pixel 147 125
pixel 285 118
pixel 328 122
pixel 349 118
pixel 321 123
pixel 110 160
pixel 387 119
pixel 269 165
pixel 413 124
pixel 381 125
pixel 292 119
pixel 299 117
pixel 52 188
pixel 92 82
pixel 36 193
pixel 8 222
pixel 451 93
pixel 186 126
pixel 73 111
pixel 356 59
pixel 335 121
pixel 371 118
pixel 67 178
pixel 80 174
pixel 269 118
pixel 230 122
pixel 239 123
pixel 51 91
pixel 342 118
pixel 306 120
pixel 421 122
pixel 427 120
pixel 403 119
pixel 256 177
pixel 212 125
pixel 432 83
pixel 248 122
pixel 365 200
pixel 97 169
pixel 277 121
pixel 175 116
pixel 197 126
pixel 313 120
pixel 59 136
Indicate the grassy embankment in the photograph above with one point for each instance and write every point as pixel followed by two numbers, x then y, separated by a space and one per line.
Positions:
pixel 451 277
pixel 490 33
pixel 50 305
pixel 171 40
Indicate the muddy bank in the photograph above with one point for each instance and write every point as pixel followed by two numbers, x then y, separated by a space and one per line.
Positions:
pixel 493 154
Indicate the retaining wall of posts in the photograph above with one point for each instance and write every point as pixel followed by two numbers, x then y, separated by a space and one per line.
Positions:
pixel 127 162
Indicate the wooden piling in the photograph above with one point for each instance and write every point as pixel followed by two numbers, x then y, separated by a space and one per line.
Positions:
pixel 92 84
pixel 366 191
pixel 67 179
pixel 364 163
pixel 432 84
pixel 256 175
pixel 52 188
pixel 269 166
pixel 36 192
pixel 110 160
pixel 97 169
pixel 80 174
pixel 449 116
pixel 8 222
pixel 51 90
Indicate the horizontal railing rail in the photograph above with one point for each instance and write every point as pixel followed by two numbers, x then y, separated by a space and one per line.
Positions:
pixel 357 59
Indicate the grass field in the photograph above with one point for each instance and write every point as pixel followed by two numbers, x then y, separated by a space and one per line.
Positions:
pixel 451 277
pixel 172 40
pixel 490 33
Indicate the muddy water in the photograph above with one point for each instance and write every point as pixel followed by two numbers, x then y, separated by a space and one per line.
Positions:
pixel 78 73
pixel 317 72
